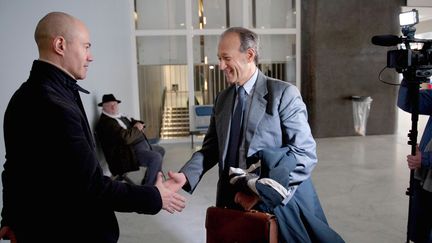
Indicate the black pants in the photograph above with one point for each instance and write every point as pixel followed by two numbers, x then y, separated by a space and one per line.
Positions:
pixel 421 216
pixel 150 156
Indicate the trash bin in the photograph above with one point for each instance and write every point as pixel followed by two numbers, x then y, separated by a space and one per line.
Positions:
pixel 361 108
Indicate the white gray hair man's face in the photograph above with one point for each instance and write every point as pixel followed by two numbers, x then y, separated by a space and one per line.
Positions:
pixel 111 107
pixel 238 66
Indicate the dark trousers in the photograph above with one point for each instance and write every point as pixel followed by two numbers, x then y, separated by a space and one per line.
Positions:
pixel 150 156
pixel 421 216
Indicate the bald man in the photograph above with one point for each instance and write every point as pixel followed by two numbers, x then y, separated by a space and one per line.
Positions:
pixel 53 187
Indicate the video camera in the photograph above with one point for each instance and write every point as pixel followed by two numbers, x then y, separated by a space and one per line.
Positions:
pixel 406 59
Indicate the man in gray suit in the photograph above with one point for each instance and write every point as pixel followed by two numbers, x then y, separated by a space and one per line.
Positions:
pixel 274 117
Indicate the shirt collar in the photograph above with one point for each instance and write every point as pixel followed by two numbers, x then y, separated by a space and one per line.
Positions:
pixel 70 81
pixel 250 83
pixel 112 116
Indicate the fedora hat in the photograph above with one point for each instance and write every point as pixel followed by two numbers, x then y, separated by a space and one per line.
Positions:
pixel 108 98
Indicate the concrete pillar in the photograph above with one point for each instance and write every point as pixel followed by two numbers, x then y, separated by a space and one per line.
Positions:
pixel 339 61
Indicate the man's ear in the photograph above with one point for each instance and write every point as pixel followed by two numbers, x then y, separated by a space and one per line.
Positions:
pixel 59 44
pixel 251 54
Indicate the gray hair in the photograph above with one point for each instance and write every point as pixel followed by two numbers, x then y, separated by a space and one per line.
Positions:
pixel 248 39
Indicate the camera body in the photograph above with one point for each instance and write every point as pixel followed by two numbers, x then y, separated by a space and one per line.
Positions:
pixel 405 59
pixel 421 60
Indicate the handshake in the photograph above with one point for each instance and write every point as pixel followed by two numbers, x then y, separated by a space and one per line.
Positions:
pixel 172 201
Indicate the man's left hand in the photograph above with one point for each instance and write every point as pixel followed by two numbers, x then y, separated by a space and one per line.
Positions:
pixel 414 161
pixel 139 125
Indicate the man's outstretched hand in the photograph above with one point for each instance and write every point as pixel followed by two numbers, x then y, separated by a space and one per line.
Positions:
pixel 171 200
pixel 176 180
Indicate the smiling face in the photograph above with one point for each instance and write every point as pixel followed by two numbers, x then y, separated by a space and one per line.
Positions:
pixel 238 66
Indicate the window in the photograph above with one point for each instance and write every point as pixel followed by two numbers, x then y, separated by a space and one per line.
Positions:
pixel 176 53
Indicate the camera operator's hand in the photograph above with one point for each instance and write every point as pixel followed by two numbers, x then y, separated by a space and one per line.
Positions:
pixel 414 161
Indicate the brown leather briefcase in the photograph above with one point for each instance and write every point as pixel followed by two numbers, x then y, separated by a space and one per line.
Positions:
pixel 229 225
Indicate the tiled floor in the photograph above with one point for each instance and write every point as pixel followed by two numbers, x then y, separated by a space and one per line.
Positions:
pixel 361 182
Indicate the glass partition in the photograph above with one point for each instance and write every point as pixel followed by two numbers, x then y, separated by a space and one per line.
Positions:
pixel 265 14
pixel 208 79
pixel 278 57
pixel 161 50
pixel 177 63
pixel 162 77
pixel 216 14
pixel 160 14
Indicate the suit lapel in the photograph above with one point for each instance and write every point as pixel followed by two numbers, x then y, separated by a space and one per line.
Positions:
pixel 257 108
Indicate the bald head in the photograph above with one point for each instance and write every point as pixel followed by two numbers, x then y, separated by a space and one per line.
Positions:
pixel 64 41
pixel 52 25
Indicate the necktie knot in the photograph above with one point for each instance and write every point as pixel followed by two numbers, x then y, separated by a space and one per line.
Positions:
pixel 241 93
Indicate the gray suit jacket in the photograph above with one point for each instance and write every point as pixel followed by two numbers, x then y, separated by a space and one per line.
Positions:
pixel 276 117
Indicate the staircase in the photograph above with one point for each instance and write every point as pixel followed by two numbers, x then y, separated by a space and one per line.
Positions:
pixel 175 122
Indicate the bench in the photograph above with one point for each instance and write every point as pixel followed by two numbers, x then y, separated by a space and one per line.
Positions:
pixel 202 114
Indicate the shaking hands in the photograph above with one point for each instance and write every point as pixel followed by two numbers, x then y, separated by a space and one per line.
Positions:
pixel 171 200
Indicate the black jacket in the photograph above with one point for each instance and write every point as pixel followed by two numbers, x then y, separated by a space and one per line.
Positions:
pixel 117 144
pixel 53 186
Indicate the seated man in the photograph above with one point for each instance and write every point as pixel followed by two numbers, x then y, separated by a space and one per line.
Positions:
pixel 124 143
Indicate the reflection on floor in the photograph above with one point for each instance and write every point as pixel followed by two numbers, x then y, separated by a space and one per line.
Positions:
pixel 361 182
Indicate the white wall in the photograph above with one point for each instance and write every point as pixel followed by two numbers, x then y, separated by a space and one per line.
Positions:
pixel 404 124
pixel 111 34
